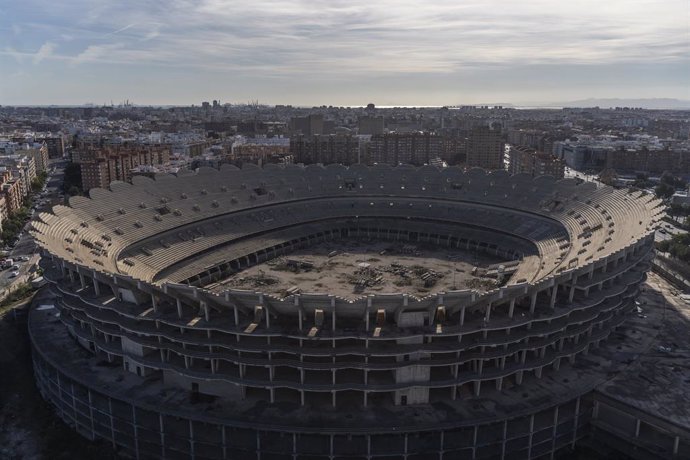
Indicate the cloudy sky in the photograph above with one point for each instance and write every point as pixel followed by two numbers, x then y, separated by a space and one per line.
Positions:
pixel 342 52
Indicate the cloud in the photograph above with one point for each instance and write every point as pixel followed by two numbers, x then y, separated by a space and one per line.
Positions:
pixel 121 29
pixel 354 40
pixel 385 37
pixel 45 51
pixel 97 53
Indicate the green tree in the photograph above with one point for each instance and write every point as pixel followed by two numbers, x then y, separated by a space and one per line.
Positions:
pixel 72 178
pixel 663 246
pixel 664 190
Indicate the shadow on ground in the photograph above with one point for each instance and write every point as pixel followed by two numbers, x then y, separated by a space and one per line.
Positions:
pixel 29 428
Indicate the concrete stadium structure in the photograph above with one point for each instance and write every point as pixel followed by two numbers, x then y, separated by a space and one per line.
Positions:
pixel 173 364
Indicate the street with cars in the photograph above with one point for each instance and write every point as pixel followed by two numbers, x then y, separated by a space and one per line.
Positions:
pixel 20 257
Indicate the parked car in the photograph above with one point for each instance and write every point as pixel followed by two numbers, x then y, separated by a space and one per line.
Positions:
pixel 14 274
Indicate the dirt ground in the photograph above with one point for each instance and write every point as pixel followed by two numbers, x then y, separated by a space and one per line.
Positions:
pixel 350 268
pixel 29 429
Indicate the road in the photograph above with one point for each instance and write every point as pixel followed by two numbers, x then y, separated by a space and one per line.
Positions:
pixel 25 245
pixel 667 231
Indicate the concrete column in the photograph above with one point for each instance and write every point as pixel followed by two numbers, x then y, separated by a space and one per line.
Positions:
pixel 487 316
pixel 571 294
pixel 112 420
pixel 96 287
pixel 462 316
pixel 224 441
pixel 475 435
pixel 333 310
pixel 577 415
pixel 531 431
pixel 258 445
pixel 207 312
pixel 161 430
pixel 81 280
pixel 511 310
pixel 136 434
pixel 93 429
pixel 533 303
pixel 179 308
pixel 477 387
pixel 553 431
pixel 554 293
pixel 637 428
pixel 504 439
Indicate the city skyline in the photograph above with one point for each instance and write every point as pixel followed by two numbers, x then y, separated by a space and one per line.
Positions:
pixel 342 53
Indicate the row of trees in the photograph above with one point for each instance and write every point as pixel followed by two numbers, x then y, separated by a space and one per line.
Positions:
pixel 678 246
pixel 668 185
pixel 15 222
pixel 72 181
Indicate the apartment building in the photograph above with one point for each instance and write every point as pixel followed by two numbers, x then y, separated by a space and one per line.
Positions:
pixel 525 160
pixel 416 148
pixel 103 164
pixel 485 148
pixel 325 149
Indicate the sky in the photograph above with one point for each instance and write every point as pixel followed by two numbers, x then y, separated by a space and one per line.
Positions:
pixel 342 52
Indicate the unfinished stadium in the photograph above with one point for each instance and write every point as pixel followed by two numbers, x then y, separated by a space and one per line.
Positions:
pixel 337 313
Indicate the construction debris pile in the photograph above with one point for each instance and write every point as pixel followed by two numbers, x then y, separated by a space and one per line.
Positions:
pixel 254 281
pixel 365 276
pixel 291 265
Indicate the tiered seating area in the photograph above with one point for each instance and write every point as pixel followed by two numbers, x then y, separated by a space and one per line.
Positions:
pixel 140 229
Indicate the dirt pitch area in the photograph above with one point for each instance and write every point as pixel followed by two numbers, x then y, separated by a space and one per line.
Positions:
pixel 350 268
